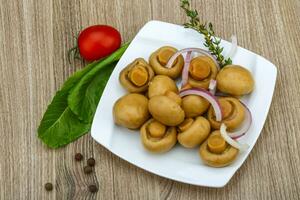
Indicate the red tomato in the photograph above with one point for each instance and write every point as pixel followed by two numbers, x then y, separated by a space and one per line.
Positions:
pixel 98 41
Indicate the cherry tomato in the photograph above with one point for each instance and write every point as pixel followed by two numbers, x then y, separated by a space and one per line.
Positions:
pixel 98 41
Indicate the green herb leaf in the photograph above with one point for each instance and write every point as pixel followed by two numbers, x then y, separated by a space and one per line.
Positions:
pixel 211 42
pixel 84 97
pixel 59 125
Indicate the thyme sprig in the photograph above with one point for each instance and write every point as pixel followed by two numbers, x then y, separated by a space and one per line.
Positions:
pixel 206 29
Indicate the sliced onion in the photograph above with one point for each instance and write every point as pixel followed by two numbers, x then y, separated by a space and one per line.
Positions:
pixel 208 96
pixel 232 142
pixel 197 50
pixel 185 71
pixel 212 86
pixel 233 48
pixel 242 130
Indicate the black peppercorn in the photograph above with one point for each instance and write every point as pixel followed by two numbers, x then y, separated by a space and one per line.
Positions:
pixel 78 156
pixel 87 169
pixel 48 186
pixel 91 162
pixel 93 188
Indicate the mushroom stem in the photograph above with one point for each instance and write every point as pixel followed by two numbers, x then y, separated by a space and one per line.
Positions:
pixel 164 56
pixel 138 75
pixel 216 152
pixel 226 107
pixel 185 124
pixel 199 69
pixel 216 144
pixel 233 113
pixel 159 59
pixel 156 129
pixel 158 145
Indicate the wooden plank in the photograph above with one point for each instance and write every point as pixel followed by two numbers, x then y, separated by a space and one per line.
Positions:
pixel 34 39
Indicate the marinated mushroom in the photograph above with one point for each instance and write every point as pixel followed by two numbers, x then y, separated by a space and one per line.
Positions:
pixel 233 113
pixel 192 132
pixel 235 80
pixel 160 84
pixel 174 96
pixel 194 105
pixel 136 76
pixel 216 152
pixel 202 69
pixel 166 110
pixel 131 111
pixel 156 137
pixel 160 58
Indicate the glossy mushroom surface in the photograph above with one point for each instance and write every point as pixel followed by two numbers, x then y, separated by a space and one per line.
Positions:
pixel 235 80
pixel 202 69
pixel 160 58
pixel 156 137
pixel 233 113
pixel 136 76
pixel 160 84
pixel 166 110
pixel 131 111
pixel 194 105
pixel 216 152
pixel 192 132
pixel 174 96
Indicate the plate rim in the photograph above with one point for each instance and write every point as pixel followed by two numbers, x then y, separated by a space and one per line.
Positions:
pixel 93 134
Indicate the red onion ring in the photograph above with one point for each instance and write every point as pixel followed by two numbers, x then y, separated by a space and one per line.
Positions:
pixel 208 96
pixel 197 50
pixel 212 86
pixel 185 71
pixel 232 142
pixel 242 130
pixel 233 48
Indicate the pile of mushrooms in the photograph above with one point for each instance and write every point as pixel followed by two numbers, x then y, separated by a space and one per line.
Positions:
pixel 197 114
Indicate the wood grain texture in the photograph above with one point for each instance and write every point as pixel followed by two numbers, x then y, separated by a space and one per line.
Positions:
pixel 34 39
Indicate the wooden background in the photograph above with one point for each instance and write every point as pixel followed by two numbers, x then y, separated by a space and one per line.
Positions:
pixel 34 38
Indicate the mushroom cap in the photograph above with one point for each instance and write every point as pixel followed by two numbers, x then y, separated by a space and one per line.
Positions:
pixel 139 65
pixel 160 84
pixel 159 59
pixel 131 111
pixel 166 110
pixel 235 80
pixel 195 133
pixel 174 96
pixel 207 70
pixel 221 159
pixel 158 144
pixel 233 113
pixel 194 105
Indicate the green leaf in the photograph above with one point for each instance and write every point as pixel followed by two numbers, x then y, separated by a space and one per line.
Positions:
pixel 84 97
pixel 59 125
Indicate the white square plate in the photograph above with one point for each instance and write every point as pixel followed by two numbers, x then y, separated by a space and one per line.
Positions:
pixel 180 164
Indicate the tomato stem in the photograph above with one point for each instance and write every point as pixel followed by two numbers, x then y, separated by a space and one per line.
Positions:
pixel 75 49
pixel 74 54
